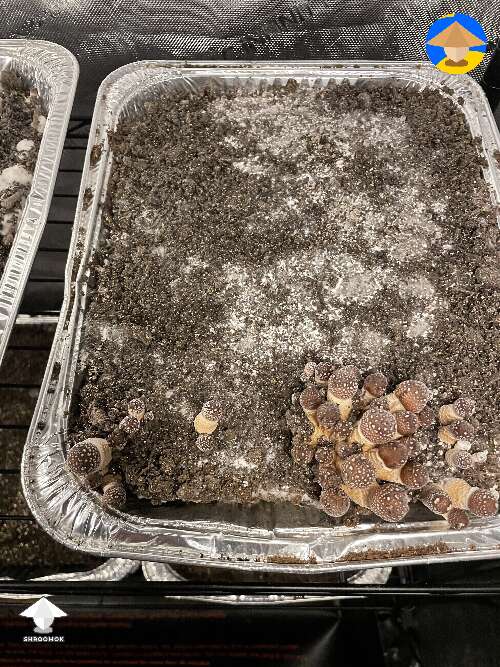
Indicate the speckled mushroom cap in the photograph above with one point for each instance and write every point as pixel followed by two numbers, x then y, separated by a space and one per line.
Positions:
pixel 115 495
pixel 302 453
pixel 381 403
pixel 435 498
pixel 341 430
pixel 377 426
pixel 464 407
pixel 394 454
pixel 389 502
pixel 461 429
pixel 413 394
pixel 310 398
pixel 457 518
pixel 136 408
pixel 206 442
pixel 322 372
pixel 328 477
pixel 213 409
pixel 326 455
pixel 85 457
pixel 459 458
pixel 414 475
pixel 129 425
pixel 328 415
pixel 308 372
pixel 406 422
pixel 426 417
pixel 334 502
pixel 345 449
pixel 357 471
pixel 376 384
pixel 483 503
pixel 344 382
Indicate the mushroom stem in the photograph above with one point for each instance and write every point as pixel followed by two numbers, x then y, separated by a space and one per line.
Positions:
pixel 389 502
pixel 462 408
pixel 435 498
pixel 207 420
pixel 480 502
pixel 412 475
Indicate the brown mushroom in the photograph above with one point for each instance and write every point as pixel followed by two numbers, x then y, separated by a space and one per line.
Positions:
pixel 411 395
pixel 374 428
pixel 207 420
pixel 374 386
pixel 89 456
pixel 342 387
pixel 462 408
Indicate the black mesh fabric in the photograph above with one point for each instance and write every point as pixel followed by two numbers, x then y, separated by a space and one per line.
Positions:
pixel 105 34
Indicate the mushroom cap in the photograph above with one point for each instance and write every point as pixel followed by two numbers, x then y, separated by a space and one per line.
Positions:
pixel 345 449
pixel 136 408
pixel 341 430
pixel 129 425
pixel 115 495
pixel 302 453
pixel 328 415
pixel 413 445
pixel 483 503
pixel 322 372
pixel 435 498
pixel 394 454
pixel 357 471
pixel 380 403
pixel 414 475
pixel 212 409
pixel 310 398
pixel 406 422
pixel 325 455
pixel 461 429
pixel 413 394
pixel 464 407
pixel 344 382
pixel 85 457
pixel 426 417
pixel 390 502
pixel 376 384
pixel 308 371
pixel 205 442
pixel 459 458
pixel 334 502
pixel 328 477
pixel 457 518
pixel 377 425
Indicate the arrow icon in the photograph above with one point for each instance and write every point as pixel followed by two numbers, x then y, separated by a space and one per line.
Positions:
pixel 43 613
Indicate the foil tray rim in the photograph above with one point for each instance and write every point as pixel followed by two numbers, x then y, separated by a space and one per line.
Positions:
pixel 73 515
pixel 58 69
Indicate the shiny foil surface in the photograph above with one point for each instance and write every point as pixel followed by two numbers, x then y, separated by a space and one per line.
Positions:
pixel 264 536
pixel 53 71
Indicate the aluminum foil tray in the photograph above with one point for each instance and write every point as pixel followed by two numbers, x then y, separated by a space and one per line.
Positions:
pixel 53 71
pixel 274 537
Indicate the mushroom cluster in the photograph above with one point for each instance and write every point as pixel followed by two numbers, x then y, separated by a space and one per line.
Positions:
pixel 91 459
pixel 362 446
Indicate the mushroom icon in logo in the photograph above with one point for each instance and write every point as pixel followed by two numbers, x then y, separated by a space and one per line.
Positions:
pixel 456 43
pixel 43 613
